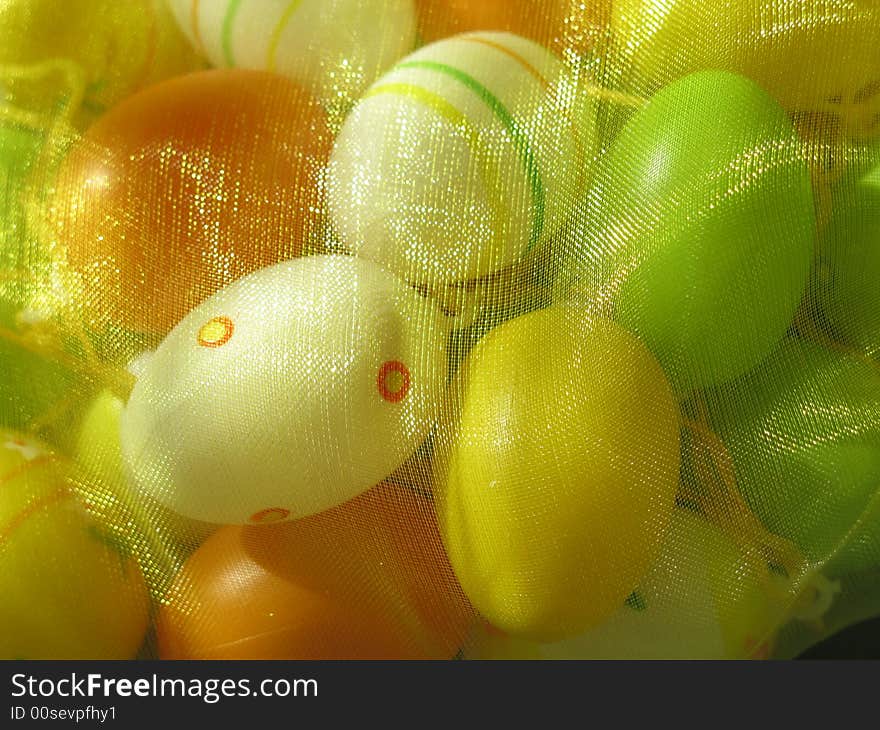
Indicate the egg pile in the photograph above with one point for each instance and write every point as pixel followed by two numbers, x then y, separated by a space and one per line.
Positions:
pixel 424 329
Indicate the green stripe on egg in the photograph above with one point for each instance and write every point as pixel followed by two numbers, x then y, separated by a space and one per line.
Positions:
pixel 488 169
pixel 520 140
pixel 228 22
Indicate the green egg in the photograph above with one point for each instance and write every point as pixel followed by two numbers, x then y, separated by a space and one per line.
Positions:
pixel 698 228
pixel 848 282
pixel 803 431
pixel 817 56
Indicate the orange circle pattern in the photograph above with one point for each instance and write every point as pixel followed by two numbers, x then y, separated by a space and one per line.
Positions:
pixel 389 368
pixel 216 332
pixel 272 514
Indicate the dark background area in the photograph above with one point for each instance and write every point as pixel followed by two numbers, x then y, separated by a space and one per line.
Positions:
pixel 861 641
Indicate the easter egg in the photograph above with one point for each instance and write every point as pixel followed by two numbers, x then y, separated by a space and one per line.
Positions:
pixel 459 161
pixel 286 393
pixel 335 48
pixel 119 47
pixel 187 186
pixel 70 588
pixel 703 598
pixel 99 451
pixel 558 472
pixel 559 24
pixel 366 580
pixel 770 42
pixel 699 228
pixel 847 290
pixel 803 431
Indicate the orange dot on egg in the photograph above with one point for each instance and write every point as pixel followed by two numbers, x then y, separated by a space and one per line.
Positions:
pixel 216 332
pixel 393 381
pixel 272 514
pixel 368 579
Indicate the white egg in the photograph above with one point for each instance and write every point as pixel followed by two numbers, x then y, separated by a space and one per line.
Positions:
pixel 286 393
pixel 461 160
pixel 336 48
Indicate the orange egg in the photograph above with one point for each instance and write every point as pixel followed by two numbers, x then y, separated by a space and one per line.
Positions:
pixel 187 186
pixel 557 24
pixel 366 580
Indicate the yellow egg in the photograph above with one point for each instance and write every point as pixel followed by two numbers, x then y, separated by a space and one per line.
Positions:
pixel 815 56
pixel 703 598
pixel 71 589
pixel 557 471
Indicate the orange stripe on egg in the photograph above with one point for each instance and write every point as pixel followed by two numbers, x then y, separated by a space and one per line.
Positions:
pixel 269 515
pixel 545 84
pixel 57 496
pixel 25 467
pixel 511 54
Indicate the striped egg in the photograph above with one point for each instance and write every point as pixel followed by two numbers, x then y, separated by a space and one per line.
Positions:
pixel 461 160
pixel 335 48
pixel 286 393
